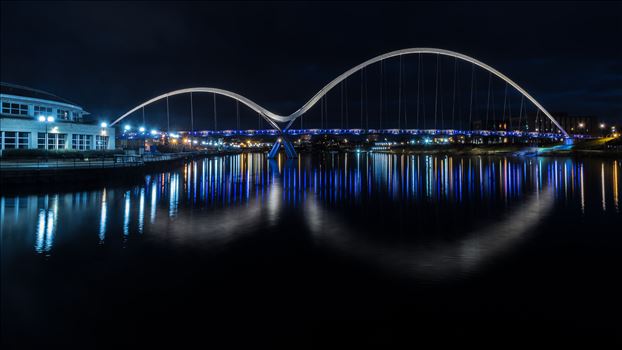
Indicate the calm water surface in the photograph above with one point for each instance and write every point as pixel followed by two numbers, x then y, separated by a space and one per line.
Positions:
pixel 354 249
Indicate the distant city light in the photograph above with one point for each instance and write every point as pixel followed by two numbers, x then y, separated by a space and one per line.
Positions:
pixel 602 125
pixel 154 132
pixel 104 125
pixel 127 128
pixel 581 125
pixel 141 129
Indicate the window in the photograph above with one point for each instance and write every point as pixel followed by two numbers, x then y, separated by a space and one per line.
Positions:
pixel 14 108
pixel 62 114
pixel 76 116
pixel 14 139
pixel 81 142
pixel 10 139
pixel 45 111
pixel 53 141
pixel 101 142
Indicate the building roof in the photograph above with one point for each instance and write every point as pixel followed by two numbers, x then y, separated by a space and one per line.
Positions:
pixel 18 90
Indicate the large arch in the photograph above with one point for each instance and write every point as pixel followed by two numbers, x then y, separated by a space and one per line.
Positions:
pixel 273 118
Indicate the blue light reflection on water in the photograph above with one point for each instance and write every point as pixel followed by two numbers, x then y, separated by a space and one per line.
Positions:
pixel 333 180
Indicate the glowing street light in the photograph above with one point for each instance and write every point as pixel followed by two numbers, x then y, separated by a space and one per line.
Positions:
pixel 127 128
pixel 602 125
pixel 141 129
pixel 42 118
pixel 581 125
pixel 103 124
pixel 154 132
pixel 50 119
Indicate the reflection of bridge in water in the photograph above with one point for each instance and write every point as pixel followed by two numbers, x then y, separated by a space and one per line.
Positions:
pixel 212 200
pixel 398 106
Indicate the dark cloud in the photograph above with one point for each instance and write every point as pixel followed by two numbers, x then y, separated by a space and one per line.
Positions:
pixel 109 56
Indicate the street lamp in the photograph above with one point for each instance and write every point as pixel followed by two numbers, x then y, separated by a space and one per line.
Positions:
pixel 46 120
pixel 141 129
pixel 104 125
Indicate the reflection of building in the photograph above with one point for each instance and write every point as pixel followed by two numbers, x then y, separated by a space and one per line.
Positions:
pixel 36 119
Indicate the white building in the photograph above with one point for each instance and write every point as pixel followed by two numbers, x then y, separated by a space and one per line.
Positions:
pixel 34 119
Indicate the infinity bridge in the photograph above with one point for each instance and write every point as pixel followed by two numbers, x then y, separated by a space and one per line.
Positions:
pixel 283 123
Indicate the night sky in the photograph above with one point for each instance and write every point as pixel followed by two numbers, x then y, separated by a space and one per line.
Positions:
pixel 108 57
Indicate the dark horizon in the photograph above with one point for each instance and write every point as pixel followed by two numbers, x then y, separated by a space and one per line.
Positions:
pixel 108 57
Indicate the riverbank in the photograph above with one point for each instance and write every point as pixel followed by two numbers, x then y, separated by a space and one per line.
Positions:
pixel 578 151
pixel 37 173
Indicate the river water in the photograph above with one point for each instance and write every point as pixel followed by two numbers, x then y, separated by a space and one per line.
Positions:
pixel 351 249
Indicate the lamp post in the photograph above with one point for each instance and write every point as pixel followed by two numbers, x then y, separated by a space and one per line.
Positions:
pixel 46 120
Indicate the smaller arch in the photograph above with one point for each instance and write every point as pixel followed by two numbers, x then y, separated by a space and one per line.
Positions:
pixel 264 113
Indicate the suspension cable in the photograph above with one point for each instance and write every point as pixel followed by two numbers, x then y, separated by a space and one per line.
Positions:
pixel 168 119
pixel 399 97
pixel 381 83
pixel 362 98
pixel 366 102
pixel 453 105
pixel 492 98
pixel 191 114
pixel 423 94
pixel 341 105
pixel 440 83
pixel 510 112
pixel 346 102
pixel 471 102
pixel 505 96
pixel 237 114
pixel 436 92
pixel 520 112
pixel 215 121
pixel 405 96
pixel 322 112
pixel 418 87
pixel 488 100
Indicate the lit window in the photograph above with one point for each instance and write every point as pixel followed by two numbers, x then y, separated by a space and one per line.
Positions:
pixel 14 139
pixel 101 142
pixel 81 142
pixel 53 141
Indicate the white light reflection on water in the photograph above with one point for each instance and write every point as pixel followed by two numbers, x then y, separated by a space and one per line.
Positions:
pixel 126 214
pixel 103 217
pixel 46 227
pixel 141 211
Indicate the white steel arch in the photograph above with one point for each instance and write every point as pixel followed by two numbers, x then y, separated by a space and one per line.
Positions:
pixel 272 118
pixel 264 113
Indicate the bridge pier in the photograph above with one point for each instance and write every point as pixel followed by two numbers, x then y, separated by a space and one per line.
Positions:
pixel 290 152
